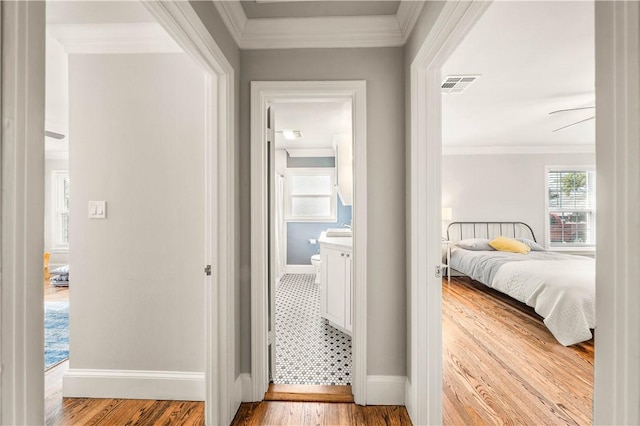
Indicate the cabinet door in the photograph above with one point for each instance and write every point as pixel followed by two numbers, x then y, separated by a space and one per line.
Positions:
pixel 348 291
pixel 335 286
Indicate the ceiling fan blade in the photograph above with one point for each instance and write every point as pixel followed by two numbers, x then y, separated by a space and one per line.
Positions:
pixel 53 135
pixel 571 109
pixel 577 122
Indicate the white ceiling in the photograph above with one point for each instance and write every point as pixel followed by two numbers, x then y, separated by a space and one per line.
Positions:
pixel 306 9
pixel 318 121
pixel 533 58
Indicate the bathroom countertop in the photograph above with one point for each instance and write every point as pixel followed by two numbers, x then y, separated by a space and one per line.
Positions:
pixel 336 241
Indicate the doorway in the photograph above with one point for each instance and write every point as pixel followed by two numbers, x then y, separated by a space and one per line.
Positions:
pixel 615 77
pixel 517 127
pixel 311 202
pixel 56 220
pixel 265 94
pixel 22 400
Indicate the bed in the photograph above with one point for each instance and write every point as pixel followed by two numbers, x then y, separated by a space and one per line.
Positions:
pixel 559 287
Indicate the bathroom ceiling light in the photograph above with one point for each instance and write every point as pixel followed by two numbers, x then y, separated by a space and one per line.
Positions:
pixel 291 134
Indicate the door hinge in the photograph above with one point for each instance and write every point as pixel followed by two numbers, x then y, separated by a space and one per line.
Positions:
pixel 207 270
pixel 439 271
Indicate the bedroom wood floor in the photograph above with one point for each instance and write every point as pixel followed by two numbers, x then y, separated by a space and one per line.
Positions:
pixel 501 365
pixel 55 294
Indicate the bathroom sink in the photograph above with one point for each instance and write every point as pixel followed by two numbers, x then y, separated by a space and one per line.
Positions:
pixel 339 232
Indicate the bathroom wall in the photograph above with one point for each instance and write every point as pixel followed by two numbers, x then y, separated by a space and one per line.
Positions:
pixel 299 250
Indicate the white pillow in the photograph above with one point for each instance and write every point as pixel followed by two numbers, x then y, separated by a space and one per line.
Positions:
pixel 475 244
pixel 532 244
pixel 63 270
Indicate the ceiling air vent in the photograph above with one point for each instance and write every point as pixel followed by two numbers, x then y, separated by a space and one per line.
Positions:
pixel 457 83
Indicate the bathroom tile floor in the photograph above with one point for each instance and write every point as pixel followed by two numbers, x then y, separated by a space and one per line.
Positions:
pixel 308 350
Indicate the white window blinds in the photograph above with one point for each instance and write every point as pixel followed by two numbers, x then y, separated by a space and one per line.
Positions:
pixel 60 208
pixel 571 201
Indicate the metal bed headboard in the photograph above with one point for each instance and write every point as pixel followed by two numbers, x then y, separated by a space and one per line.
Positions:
pixel 457 231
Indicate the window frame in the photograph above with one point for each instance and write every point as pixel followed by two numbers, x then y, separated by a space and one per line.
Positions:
pixel 288 196
pixel 57 207
pixel 571 247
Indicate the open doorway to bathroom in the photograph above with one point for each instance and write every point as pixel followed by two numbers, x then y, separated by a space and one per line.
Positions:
pixel 311 202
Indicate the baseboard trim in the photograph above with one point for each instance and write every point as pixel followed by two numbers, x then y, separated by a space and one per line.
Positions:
pixel 300 269
pixel 134 384
pixel 246 387
pixel 386 390
pixel 381 390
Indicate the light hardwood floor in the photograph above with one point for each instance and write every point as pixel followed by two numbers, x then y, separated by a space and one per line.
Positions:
pixel 309 393
pixel 501 364
pixel 55 294
pixel 319 413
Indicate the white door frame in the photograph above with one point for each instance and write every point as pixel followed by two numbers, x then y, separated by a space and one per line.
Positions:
pixel 616 398
pixel 617 383
pixel 22 210
pixel 262 94
pixel 22 388
pixel 423 393
pixel 180 20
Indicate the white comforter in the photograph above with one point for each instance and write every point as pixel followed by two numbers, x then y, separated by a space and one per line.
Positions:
pixel 561 288
pixel 563 293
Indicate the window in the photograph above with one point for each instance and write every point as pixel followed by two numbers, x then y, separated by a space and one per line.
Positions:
pixel 60 208
pixel 310 195
pixel 571 201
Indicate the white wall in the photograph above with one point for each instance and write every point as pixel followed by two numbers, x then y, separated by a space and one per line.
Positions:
pixel 138 142
pixel 57 88
pixel 502 187
pixel 383 70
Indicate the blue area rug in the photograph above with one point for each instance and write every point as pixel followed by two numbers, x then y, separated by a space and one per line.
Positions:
pixel 56 333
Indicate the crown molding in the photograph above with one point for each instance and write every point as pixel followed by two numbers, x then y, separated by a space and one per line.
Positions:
pixel 319 32
pixel 113 38
pixel 291 33
pixel 407 15
pixel 518 149
pixel 234 18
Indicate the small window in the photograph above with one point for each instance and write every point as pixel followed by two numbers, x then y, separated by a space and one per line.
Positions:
pixel 571 201
pixel 60 208
pixel 310 195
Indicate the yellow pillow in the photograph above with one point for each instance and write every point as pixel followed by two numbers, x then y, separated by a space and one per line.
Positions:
pixel 509 244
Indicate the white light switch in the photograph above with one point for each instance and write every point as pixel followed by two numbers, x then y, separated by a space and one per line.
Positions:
pixel 97 209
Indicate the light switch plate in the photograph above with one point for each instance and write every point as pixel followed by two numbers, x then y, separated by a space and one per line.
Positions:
pixel 97 209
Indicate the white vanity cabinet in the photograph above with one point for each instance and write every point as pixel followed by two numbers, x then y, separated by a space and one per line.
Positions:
pixel 335 281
